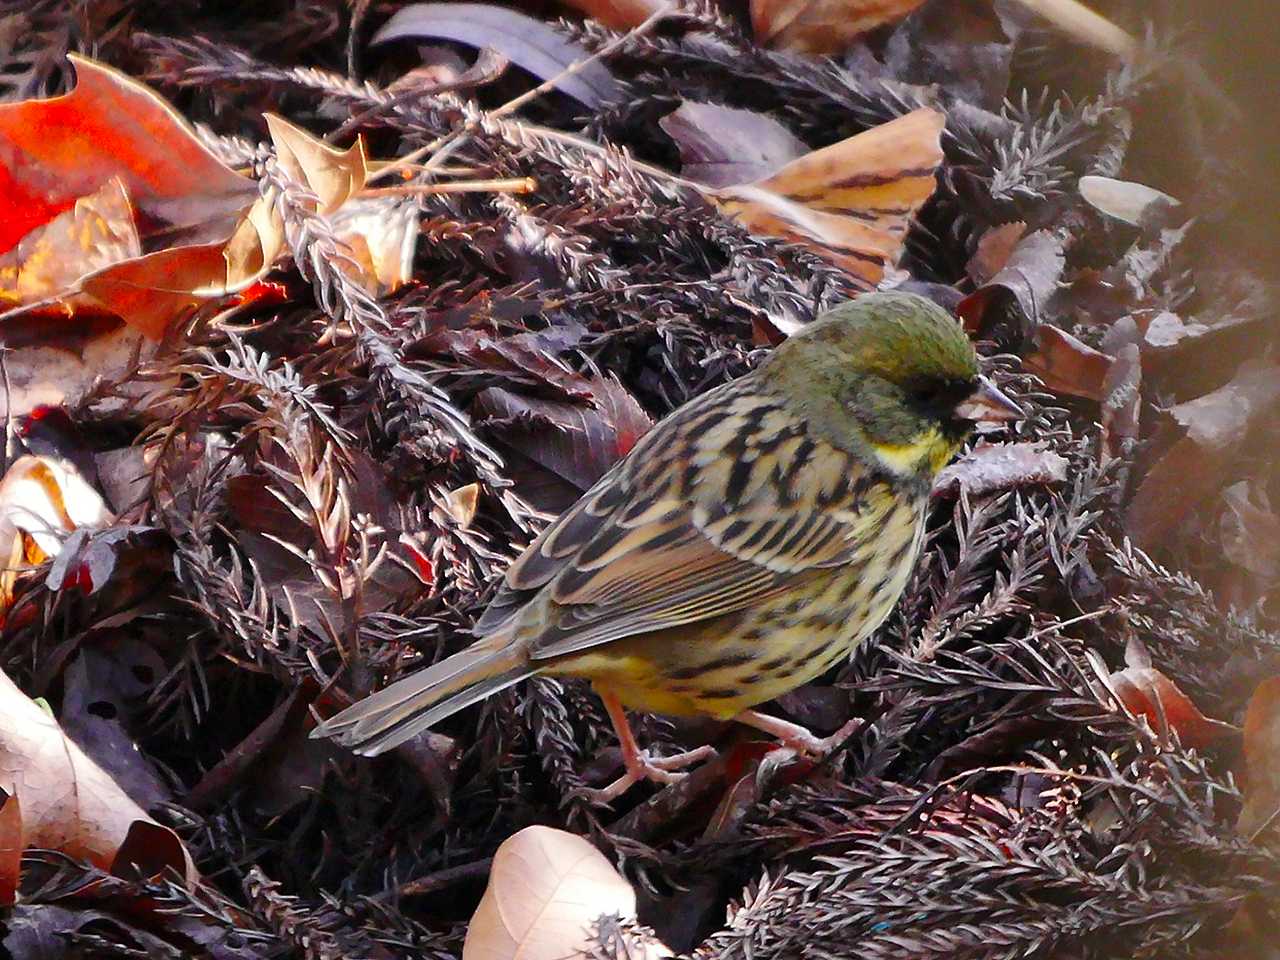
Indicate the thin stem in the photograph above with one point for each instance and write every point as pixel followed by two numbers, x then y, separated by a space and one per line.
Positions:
pixel 511 185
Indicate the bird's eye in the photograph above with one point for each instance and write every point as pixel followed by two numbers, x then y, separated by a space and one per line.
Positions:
pixel 930 393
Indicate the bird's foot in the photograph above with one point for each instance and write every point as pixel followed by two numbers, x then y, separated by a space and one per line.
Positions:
pixel 640 766
pixel 796 737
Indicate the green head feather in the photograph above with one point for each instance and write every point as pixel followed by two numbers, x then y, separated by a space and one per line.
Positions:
pixel 882 375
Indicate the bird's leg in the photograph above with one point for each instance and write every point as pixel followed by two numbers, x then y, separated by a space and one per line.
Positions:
pixel 639 765
pixel 795 736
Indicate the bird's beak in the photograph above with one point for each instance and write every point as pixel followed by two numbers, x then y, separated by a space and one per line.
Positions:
pixel 988 403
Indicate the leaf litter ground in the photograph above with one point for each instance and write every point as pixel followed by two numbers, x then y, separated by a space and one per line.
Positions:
pixel 281 409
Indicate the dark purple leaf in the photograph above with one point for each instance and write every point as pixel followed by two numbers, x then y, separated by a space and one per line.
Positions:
pixel 720 146
pixel 527 359
pixel 577 442
pixel 1027 281
pixel 526 42
pixel 964 48
pixel 103 691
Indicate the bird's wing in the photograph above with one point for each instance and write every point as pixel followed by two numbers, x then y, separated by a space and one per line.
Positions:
pixel 656 544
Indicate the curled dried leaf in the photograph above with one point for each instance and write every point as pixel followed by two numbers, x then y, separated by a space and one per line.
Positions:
pixel 822 26
pixel 68 803
pixel 546 890
pixel 1261 813
pixel 1148 693
pixel 851 202
pixel 1067 364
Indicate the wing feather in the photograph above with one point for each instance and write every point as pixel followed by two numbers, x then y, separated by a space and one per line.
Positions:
pixel 653 545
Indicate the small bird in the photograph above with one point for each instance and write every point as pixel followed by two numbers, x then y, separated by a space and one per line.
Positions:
pixel 746 544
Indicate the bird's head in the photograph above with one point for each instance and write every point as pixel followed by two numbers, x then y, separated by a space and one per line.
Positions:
pixel 890 374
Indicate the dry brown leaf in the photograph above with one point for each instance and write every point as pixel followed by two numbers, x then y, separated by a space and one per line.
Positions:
pixel 68 802
pixel 333 175
pixel 96 232
pixel 1261 813
pixel 1026 280
pixel 821 26
pixel 619 14
pixel 1067 364
pixel 994 250
pixel 546 889
pixel 851 202
pixel 1250 529
pixel 1146 692
pixel 1217 425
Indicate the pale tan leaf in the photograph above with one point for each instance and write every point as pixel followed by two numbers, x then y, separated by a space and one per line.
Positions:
pixel 851 202
pixel 68 802
pixel 821 26
pixel 462 504
pixel 332 175
pixel 546 889
pixel 1125 200
pixel 381 237
pixel 1085 26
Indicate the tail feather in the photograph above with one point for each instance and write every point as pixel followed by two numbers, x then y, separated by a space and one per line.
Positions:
pixel 391 716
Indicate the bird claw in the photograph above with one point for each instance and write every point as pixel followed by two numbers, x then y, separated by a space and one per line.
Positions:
pixel 817 748
pixel 643 767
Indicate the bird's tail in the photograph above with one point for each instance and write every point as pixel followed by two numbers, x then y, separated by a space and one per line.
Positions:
pixel 391 716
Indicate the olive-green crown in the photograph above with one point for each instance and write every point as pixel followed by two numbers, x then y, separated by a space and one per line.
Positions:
pixel 901 337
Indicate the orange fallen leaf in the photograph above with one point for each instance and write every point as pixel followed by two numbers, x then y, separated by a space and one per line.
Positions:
pixel 619 14
pixel 851 202
pixel 546 889
pixel 1261 812
pixel 95 232
pixel 12 843
pixel 1067 364
pixel 1148 693
pixel 68 803
pixel 58 150
pixel 153 158
pixel 821 26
